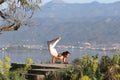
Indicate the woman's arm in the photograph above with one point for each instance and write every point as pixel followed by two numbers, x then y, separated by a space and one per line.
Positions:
pixel 65 61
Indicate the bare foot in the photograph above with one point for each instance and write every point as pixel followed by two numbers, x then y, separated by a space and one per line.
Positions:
pixel 59 38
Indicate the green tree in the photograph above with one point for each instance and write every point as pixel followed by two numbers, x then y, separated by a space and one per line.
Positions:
pixel 15 13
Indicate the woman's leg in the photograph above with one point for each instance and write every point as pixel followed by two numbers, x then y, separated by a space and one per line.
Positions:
pixel 52 43
pixel 51 46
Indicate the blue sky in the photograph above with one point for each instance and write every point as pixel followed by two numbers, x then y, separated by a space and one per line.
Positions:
pixel 84 1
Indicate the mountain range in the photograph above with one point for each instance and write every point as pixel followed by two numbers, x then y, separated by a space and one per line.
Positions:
pixel 76 22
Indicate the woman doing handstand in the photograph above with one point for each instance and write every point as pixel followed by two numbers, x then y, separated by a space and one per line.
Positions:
pixel 55 55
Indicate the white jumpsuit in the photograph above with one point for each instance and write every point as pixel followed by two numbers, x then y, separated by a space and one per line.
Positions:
pixel 51 46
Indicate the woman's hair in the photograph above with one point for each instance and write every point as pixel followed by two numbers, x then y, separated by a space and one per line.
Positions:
pixel 65 53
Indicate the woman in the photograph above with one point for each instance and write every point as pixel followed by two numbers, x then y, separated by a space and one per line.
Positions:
pixel 55 55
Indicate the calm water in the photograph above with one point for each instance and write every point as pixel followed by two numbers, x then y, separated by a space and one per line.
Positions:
pixel 44 56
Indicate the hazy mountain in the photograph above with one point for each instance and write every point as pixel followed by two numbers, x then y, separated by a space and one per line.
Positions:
pixel 94 9
pixel 91 22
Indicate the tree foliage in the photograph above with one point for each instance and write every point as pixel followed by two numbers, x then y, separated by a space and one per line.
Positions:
pixel 15 13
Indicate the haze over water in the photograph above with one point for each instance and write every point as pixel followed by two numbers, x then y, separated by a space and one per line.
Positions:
pixel 44 56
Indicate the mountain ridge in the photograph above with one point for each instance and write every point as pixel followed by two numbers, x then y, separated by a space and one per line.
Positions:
pixel 81 10
pixel 90 22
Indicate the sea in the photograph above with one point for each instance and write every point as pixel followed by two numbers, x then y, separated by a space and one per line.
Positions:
pixel 43 56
